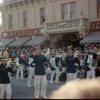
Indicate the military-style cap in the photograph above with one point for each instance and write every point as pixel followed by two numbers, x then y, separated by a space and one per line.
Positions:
pixel 3 58
pixel 69 51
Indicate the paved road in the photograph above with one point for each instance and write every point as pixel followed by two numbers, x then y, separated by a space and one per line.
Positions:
pixel 21 91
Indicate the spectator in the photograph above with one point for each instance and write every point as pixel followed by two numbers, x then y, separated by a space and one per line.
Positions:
pixel 77 90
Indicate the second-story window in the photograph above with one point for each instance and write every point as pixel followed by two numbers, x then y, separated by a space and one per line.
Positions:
pixel 42 15
pixel 73 10
pixel 98 8
pixel 10 19
pixel 25 18
pixel 65 11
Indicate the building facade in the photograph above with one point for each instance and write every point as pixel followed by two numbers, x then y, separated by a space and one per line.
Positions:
pixel 63 22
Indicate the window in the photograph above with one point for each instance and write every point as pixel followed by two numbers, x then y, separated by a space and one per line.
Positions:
pixel 65 11
pixel 98 8
pixel 73 10
pixel 42 15
pixel 10 21
pixel 25 18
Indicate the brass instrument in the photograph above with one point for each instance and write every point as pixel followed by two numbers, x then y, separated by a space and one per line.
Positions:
pixel 5 54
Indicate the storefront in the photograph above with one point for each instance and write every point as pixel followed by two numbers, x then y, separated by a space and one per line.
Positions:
pixel 18 38
pixel 65 39
pixel 94 37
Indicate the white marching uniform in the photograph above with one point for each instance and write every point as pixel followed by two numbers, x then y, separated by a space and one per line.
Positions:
pixel 20 70
pixel 58 73
pixel 53 72
pixel 91 73
pixel 31 72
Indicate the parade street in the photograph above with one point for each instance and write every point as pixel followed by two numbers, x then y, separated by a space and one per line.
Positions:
pixel 21 91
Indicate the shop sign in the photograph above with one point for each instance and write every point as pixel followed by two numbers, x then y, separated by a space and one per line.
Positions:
pixel 22 33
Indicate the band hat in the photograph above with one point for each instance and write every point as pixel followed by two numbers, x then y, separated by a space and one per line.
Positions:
pixel 22 55
pixel 69 51
pixel 76 51
pixel 3 58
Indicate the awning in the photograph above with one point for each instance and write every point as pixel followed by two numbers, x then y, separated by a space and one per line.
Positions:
pixel 19 42
pixel 94 37
pixel 6 42
pixel 35 40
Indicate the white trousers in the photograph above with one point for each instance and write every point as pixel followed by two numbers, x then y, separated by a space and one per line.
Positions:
pixel 40 80
pixel 5 88
pixel 52 76
pixel 57 72
pixel 57 75
pixel 71 76
pixel 30 75
pixel 91 73
pixel 20 71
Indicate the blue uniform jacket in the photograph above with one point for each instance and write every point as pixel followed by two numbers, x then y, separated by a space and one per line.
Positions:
pixel 39 61
pixel 70 68
pixel 4 77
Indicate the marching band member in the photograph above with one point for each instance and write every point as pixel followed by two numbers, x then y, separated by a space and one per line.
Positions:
pixel 40 75
pixel 91 71
pixel 9 62
pixel 70 67
pixel 20 64
pixel 58 66
pixel 48 56
pixel 31 70
pixel 53 67
pixel 5 85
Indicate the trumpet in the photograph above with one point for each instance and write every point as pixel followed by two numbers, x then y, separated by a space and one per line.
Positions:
pixel 5 53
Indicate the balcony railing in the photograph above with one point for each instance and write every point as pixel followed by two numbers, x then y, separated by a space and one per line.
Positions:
pixel 67 25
